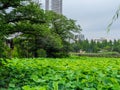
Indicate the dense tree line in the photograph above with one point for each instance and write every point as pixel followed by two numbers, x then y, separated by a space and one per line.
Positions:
pixel 39 32
pixel 93 46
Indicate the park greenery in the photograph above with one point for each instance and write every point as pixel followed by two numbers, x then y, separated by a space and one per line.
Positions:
pixel 93 46
pixel 32 31
pixel 32 42
pixel 75 73
pixel 28 31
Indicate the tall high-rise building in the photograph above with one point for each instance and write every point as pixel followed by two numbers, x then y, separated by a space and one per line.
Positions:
pixel 47 4
pixel 54 5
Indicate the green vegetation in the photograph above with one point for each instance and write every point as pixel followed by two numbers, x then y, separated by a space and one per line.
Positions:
pixel 30 30
pixel 104 54
pixel 92 46
pixel 75 73
pixel 27 31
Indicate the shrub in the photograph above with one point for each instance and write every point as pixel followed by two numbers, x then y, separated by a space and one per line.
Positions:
pixel 41 53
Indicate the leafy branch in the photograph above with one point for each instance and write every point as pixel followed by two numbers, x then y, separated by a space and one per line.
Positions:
pixel 114 18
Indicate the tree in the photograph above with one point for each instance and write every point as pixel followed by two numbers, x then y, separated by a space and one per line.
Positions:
pixel 40 29
pixel 28 19
pixel 116 46
pixel 63 28
pixel 10 3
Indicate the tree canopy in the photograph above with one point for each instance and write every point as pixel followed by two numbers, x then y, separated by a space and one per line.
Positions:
pixel 37 29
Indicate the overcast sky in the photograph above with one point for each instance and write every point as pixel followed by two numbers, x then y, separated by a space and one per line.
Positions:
pixel 94 16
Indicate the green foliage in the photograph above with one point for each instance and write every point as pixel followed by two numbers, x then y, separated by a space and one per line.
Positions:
pixel 1 48
pixel 62 25
pixel 39 29
pixel 41 53
pixel 75 73
pixel 15 53
pixel 96 47
pixel 4 4
pixel 101 54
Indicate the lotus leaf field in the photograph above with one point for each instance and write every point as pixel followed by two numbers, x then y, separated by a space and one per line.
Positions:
pixel 74 73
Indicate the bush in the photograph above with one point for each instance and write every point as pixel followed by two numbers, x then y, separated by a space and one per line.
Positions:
pixel 108 54
pixel 41 53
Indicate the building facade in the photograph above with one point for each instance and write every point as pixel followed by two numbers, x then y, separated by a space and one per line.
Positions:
pixel 54 5
pixel 47 4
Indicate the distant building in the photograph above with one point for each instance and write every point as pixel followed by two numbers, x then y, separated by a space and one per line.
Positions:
pixel 47 4
pixel 54 5
pixel 79 37
pixel 100 39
